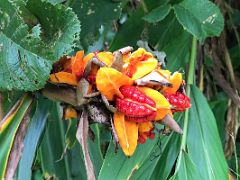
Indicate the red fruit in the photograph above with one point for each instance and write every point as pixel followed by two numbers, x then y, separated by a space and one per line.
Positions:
pixel 135 105
pixel 179 101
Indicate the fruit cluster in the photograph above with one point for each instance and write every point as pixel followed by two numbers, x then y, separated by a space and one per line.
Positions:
pixel 141 92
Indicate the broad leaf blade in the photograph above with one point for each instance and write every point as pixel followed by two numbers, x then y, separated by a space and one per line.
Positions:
pixel 187 169
pixel 93 14
pixel 125 167
pixel 33 137
pixel 158 14
pixel 165 156
pixel 26 58
pixel 8 129
pixel 53 146
pixel 201 18
pixel 203 142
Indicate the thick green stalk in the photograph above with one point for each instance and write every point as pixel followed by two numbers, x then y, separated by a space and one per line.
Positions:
pixel 190 81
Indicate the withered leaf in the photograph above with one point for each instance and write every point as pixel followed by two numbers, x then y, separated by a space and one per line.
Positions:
pixel 82 136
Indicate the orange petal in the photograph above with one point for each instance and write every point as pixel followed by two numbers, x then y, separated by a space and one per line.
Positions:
pixel 127 133
pixel 109 80
pixel 106 57
pixel 144 67
pixel 145 127
pixel 77 64
pixel 162 104
pixel 176 81
pixel 70 113
pixel 63 77
pixel 142 54
pixel 87 58
pixel 161 113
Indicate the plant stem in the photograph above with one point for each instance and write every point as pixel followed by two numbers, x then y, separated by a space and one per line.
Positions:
pixel 190 81
pixel 145 9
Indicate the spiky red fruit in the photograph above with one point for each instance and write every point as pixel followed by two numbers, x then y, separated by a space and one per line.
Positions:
pixel 135 105
pixel 179 101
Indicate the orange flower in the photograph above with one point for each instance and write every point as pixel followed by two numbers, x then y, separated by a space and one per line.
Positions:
pixel 109 82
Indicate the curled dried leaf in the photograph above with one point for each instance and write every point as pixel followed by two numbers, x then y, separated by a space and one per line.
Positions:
pixel 109 80
pixel 127 133
pixel 64 77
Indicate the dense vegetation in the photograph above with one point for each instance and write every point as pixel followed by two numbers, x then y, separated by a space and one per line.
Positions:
pixel 199 38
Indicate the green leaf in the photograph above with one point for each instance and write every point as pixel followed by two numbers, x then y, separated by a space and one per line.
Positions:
pixel 130 32
pixel 32 138
pixel 170 37
pixel 118 166
pixel 158 14
pixel 53 146
pixel 54 1
pixel 201 18
pixel 92 15
pixel 95 149
pixel 163 163
pixel 187 169
pixel 203 142
pixel 27 52
pixel 70 136
pixel 8 129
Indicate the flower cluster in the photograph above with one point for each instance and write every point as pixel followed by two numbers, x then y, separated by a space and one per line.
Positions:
pixel 135 84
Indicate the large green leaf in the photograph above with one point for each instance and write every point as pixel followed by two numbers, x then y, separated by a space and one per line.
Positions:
pixel 201 18
pixel 8 129
pixel 52 147
pixel 92 15
pixel 203 142
pixel 161 165
pixel 187 169
pixel 32 138
pixel 170 37
pixel 118 166
pixel 30 45
pixel 130 32
pixel 158 14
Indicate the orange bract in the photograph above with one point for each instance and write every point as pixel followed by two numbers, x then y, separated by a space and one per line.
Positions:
pixel 109 80
pixel 63 77
pixel 145 127
pixel 70 113
pixel 139 64
pixel 77 64
pixel 144 67
pixel 176 81
pixel 127 133
pixel 162 104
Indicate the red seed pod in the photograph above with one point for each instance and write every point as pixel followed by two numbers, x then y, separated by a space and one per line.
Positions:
pixel 135 105
pixel 179 101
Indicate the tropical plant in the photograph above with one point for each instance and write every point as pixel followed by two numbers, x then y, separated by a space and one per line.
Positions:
pixel 51 128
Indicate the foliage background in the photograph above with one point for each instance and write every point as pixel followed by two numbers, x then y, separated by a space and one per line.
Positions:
pixel 35 34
